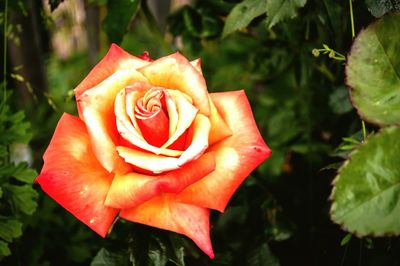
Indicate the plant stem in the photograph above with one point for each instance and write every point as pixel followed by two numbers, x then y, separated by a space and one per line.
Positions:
pixel 352 19
pixel 353 34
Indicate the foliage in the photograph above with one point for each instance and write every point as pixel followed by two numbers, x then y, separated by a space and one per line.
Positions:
pixel 365 195
pixel 119 15
pixel 17 197
pixel 366 192
pixel 373 71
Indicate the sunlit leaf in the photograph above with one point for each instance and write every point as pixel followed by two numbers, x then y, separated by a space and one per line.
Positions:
pixel 373 71
pixel 242 14
pixel 366 193
pixel 280 10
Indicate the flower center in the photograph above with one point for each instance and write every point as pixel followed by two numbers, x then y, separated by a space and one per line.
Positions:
pixel 152 117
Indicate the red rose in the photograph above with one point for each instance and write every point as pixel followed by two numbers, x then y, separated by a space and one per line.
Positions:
pixel 152 145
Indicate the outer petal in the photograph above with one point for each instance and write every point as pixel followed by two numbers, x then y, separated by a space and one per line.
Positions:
pixel 165 213
pixel 130 190
pixel 73 177
pixel 176 72
pixel 219 128
pixel 97 107
pixel 115 59
pixel 237 155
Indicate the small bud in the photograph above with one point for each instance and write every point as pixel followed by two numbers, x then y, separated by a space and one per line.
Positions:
pixel 315 52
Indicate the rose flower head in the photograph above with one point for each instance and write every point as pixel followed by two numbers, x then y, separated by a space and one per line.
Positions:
pixel 151 146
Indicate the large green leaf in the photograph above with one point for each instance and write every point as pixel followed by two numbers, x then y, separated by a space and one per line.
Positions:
pixel 373 71
pixel 279 10
pixel 366 193
pixel 120 13
pixel 242 14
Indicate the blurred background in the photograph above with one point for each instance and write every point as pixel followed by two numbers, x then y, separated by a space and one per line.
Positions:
pixel 289 59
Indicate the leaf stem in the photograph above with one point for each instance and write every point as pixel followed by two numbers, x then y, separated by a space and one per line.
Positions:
pixel 353 34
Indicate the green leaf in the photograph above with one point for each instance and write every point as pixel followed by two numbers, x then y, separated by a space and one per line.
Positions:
pixel 339 101
pixel 23 197
pixel 157 252
pixel 109 258
pixel 10 229
pixel 120 13
pixel 54 4
pixel 242 14
pixel 373 71
pixel 366 193
pixel 26 175
pixel 4 250
pixel 345 240
pixel 279 10
pixel 262 256
pixel 381 7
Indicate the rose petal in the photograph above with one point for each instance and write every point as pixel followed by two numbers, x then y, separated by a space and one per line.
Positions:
pixel 155 128
pixel 197 65
pixel 201 129
pixel 97 107
pixel 219 129
pixel 130 133
pixel 132 189
pixel 236 156
pixel 73 177
pixel 165 213
pixel 186 114
pixel 176 72
pixel 157 163
pixel 148 161
pixel 115 59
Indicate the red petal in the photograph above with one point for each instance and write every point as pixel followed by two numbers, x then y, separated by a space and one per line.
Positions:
pixel 176 72
pixel 130 190
pixel 186 113
pixel 73 177
pixel 145 56
pixel 165 213
pixel 237 155
pixel 115 59
pixel 127 126
pixel 97 106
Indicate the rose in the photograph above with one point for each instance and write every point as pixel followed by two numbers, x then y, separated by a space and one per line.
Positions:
pixel 152 145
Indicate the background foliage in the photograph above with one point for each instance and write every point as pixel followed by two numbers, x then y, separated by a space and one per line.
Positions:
pixel 291 57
